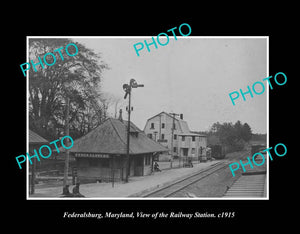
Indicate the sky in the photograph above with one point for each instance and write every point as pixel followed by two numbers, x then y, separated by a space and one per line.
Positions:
pixel 190 75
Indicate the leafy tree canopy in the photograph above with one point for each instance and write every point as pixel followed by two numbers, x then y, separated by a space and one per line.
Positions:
pixel 75 77
pixel 232 135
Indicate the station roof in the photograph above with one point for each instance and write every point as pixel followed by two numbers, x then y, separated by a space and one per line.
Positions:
pixel 111 138
pixel 34 138
pixel 183 126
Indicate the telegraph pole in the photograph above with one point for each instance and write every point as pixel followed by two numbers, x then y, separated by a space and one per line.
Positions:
pixel 33 176
pixel 128 138
pixel 113 170
pixel 127 88
pixel 172 137
pixel 67 159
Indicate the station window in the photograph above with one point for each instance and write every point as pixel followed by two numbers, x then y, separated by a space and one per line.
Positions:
pixel 152 126
pixel 175 150
pixel 193 138
pixel 175 136
pixel 183 138
pixel 163 125
pixel 193 151
pixel 162 136
pixel 147 160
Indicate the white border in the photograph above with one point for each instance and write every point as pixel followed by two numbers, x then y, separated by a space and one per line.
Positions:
pixel 137 198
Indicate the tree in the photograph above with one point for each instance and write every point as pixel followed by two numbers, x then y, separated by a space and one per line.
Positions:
pixel 246 133
pixel 231 135
pixel 76 77
pixel 113 102
pixel 238 129
pixel 227 134
pixel 215 128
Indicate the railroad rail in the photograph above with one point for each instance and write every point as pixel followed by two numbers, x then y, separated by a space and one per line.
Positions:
pixel 174 187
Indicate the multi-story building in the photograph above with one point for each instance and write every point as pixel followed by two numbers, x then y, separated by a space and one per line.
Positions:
pixel 175 134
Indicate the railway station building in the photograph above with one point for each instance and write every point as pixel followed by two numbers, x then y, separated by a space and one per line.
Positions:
pixel 101 154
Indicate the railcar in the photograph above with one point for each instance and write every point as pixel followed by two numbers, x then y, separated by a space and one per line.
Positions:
pixel 217 151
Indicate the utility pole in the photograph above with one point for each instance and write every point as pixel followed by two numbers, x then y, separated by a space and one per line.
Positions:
pixel 33 176
pixel 113 170
pixel 172 137
pixel 128 138
pixel 127 88
pixel 67 159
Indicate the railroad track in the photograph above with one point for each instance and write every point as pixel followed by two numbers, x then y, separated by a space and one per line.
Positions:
pixel 174 187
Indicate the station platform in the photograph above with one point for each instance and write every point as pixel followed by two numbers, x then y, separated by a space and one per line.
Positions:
pixel 251 184
pixel 136 185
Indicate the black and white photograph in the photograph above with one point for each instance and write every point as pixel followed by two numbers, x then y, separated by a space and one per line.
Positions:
pixel 148 118
pixel 144 116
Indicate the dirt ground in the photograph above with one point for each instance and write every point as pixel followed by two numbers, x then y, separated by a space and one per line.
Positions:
pixel 214 185
pixel 239 155
pixel 218 183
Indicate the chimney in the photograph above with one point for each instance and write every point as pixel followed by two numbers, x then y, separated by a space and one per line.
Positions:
pixel 120 116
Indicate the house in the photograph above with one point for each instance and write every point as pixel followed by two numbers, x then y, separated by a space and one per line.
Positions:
pixel 101 155
pixel 180 140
